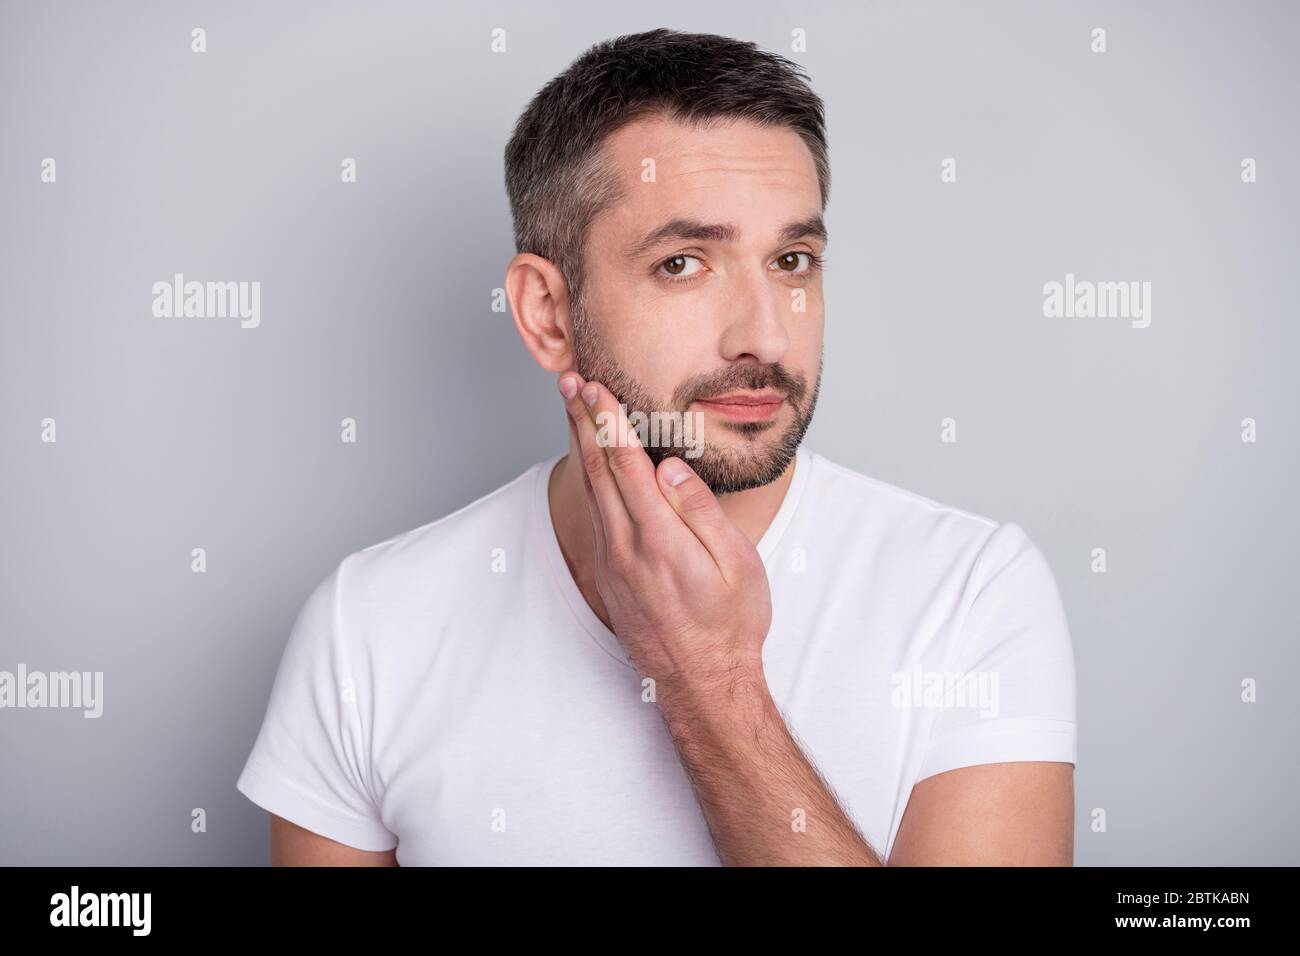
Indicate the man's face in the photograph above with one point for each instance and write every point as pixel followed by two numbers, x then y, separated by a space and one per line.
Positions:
pixel 702 283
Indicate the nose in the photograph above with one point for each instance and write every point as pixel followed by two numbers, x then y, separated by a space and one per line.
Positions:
pixel 760 310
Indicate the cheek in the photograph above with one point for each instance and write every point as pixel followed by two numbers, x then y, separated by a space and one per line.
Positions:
pixel 806 332
pixel 806 344
pixel 662 338
pixel 663 362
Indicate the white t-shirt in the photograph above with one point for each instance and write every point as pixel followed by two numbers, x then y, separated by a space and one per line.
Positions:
pixel 449 692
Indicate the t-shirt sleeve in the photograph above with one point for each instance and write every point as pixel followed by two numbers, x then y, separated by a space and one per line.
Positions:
pixel 310 763
pixel 1015 662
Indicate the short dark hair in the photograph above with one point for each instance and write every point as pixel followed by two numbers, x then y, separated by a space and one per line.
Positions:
pixel 555 177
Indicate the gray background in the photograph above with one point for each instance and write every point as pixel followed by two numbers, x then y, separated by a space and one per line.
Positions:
pixel 175 434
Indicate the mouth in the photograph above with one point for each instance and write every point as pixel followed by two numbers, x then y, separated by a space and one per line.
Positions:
pixel 744 406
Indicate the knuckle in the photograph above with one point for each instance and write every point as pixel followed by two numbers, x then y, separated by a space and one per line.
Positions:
pixel 622 461
pixel 698 501
pixel 593 460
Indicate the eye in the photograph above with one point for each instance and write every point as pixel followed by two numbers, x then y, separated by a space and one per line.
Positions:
pixel 680 267
pixel 796 263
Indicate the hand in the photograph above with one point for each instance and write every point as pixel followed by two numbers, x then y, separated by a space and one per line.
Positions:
pixel 686 591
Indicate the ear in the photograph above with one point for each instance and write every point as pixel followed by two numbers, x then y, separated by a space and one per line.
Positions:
pixel 539 302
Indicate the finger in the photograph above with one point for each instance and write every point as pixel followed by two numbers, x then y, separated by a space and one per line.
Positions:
pixel 633 471
pixel 698 507
pixel 593 509
pixel 594 463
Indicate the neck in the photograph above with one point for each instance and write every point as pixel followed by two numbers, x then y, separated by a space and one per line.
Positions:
pixel 751 511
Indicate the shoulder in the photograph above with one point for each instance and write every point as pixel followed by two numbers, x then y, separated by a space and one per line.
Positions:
pixel 923 540
pixel 422 568
pixel 901 514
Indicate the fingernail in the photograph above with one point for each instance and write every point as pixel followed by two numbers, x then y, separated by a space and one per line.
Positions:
pixel 675 471
pixel 589 394
pixel 568 386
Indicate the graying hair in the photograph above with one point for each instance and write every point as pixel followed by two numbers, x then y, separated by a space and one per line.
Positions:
pixel 557 179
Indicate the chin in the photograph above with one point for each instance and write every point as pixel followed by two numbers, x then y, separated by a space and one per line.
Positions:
pixel 728 469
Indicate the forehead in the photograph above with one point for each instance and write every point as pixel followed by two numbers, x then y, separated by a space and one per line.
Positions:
pixel 758 177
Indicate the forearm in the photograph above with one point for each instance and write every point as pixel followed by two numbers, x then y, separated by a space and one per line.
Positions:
pixel 765 804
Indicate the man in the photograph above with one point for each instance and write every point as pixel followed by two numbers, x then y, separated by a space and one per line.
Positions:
pixel 656 650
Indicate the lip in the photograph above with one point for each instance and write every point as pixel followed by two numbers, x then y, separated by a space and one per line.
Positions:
pixel 745 406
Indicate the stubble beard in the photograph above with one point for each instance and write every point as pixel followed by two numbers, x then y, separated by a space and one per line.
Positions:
pixel 726 468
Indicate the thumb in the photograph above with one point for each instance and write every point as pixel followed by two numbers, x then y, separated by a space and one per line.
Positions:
pixel 696 505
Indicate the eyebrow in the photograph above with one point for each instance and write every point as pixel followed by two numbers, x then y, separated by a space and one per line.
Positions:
pixel 693 229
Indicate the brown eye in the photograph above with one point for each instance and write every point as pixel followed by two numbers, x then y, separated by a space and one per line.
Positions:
pixel 789 262
pixel 680 267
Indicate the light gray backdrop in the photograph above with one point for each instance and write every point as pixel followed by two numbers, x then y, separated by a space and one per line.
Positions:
pixel 174 434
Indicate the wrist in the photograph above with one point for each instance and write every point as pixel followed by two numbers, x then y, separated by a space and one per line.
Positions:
pixel 718 702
